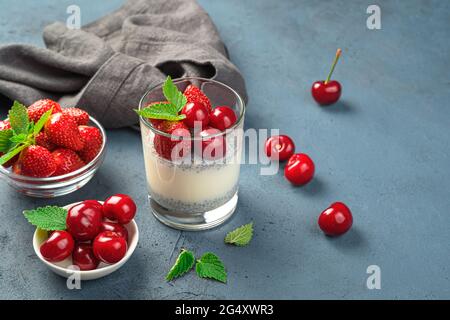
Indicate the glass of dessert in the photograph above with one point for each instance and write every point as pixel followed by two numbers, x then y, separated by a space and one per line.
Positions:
pixel 192 132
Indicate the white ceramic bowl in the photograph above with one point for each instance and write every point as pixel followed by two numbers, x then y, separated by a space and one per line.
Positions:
pixel 62 268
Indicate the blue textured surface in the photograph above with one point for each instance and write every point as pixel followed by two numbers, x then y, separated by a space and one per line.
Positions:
pixel 384 150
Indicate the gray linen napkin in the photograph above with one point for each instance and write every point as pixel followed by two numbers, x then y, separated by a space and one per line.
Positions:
pixel 107 66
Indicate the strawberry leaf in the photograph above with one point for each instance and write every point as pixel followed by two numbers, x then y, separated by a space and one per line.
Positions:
pixel 210 266
pixel 5 142
pixel 18 117
pixel 173 95
pixel 184 263
pixel 47 218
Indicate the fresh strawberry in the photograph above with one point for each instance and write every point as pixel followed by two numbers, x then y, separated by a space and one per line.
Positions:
pixel 93 140
pixel 194 94
pixel 66 161
pixel 43 141
pixel 164 145
pixel 35 161
pixel 62 130
pixel 10 162
pixel 4 125
pixel 81 116
pixel 37 109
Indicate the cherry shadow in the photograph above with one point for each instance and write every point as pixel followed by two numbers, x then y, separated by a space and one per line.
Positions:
pixel 341 106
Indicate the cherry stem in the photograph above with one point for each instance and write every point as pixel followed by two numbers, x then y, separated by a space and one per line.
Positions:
pixel 336 58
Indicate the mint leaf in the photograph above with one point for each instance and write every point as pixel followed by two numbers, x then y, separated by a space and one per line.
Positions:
pixel 5 140
pixel 19 138
pixel 184 263
pixel 163 111
pixel 173 95
pixel 47 218
pixel 18 117
pixel 240 236
pixel 11 154
pixel 210 266
pixel 42 121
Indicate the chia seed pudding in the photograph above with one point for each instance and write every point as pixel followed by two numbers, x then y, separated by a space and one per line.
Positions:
pixel 195 185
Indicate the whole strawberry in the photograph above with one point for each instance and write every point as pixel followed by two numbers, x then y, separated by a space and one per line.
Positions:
pixel 66 161
pixel 43 141
pixel 37 109
pixel 92 140
pixel 164 146
pixel 81 116
pixel 194 94
pixel 62 130
pixel 35 161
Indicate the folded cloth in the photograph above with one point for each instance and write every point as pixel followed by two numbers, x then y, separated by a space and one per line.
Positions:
pixel 108 65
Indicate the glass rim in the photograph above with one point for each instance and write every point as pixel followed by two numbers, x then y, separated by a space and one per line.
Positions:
pixel 149 125
pixel 58 179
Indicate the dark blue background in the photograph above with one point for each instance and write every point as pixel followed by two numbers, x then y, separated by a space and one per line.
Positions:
pixel 383 149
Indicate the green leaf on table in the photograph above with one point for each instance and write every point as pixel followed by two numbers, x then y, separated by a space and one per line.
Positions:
pixel 184 263
pixel 162 111
pixel 18 118
pixel 11 154
pixel 47 218
pixel 210 266
pixel 173 95
pixel 5 140
pixel 240 236
pixel 42 121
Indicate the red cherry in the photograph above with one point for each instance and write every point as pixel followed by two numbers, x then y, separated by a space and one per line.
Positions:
pixel 195 113
pixel 326 93
pixel 84 221
pixel 58 246
pixel 337 219
pixel 280 147
pixel 115 227
pixel 109 247
pixel 94 203
pixel 300 169
pixel 119 207
pixel 211 148
pixel 222 118
pixel 83 257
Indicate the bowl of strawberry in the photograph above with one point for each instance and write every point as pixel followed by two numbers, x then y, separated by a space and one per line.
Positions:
pixel 48 151
pixel 91 238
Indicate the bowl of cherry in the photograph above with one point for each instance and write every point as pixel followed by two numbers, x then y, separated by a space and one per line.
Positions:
pixel 99 238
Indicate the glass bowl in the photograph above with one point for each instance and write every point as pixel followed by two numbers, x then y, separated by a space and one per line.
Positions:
pixel 52 187
pixel 193 194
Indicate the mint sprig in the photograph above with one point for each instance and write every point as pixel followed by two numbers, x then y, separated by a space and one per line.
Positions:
pixel 240 236
pixel 166 110
pixel 210 266
pixel 47 218
pixel 5 140
pixel 173 95
pixel 23 132
pixel 18 118
pixel 184 263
